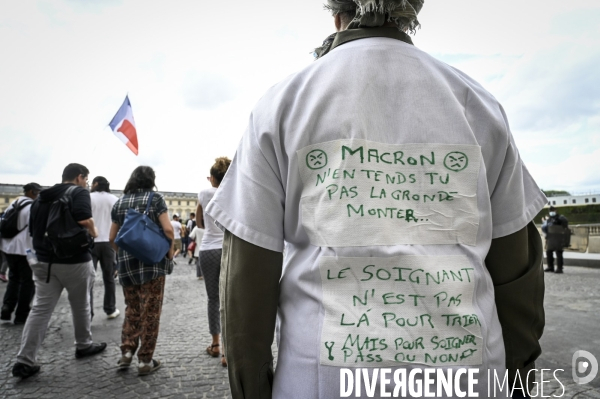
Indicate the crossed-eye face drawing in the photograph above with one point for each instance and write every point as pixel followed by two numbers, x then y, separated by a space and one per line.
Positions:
pixel 316 159
pixel 456 161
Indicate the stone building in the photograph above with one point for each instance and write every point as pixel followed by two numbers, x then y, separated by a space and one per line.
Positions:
pixel 571 200
pixel 181 203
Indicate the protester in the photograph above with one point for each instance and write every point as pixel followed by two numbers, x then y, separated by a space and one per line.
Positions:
pixel 196 236
pixel 3 267
pixel 210 254
pixel 143 284
pixel 53 274
pixel 3 262
pixel 177 231
pixel 184 239
pixel 102 204
pixel 20 288
pixel 190 225
pixel 347 163
pixel 557 234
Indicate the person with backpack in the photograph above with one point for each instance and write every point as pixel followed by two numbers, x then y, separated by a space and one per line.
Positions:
pixel 557 234
pixel 143 283
pixel 15 242
pixel 62 229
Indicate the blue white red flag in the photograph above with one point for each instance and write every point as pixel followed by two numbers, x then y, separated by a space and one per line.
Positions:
pixel 123 126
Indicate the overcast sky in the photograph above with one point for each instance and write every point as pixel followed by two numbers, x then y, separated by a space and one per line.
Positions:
pixel 194 69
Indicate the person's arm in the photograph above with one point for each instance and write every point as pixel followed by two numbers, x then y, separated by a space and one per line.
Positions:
pixel 81 209
pixel 515 265
pixel 112 235
pixel 199 216
pixel 167 227
pixel 545 227
pixel 90 226
pixel 249 293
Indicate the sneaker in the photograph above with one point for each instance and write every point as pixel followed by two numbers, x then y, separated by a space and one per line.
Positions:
pixel 125 361
pixel 114 314
pixel 549 270
pixel 18 322
pixel 3 278
pixel 558 271
pixel 147 368
pixel 93 349
pixel 24 371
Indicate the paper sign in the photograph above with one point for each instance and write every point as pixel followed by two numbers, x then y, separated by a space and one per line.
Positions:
pixel 360 193
pixel 384 312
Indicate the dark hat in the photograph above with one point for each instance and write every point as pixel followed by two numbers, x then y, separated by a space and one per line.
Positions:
pixel 552 208
pixel 32 186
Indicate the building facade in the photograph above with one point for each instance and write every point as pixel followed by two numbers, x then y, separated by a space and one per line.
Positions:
pixel 180 203
pixel 571 200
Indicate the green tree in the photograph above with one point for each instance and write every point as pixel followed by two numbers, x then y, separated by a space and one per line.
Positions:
pixel 555 193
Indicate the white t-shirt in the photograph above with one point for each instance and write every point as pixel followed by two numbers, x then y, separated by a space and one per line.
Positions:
pixel 177 228
pixel 102 204
pixel 387 173
pixel 19 243
pixel 189 224
pixel 213 236
pixel 197 235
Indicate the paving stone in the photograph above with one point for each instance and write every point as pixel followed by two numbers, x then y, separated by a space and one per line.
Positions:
pixel 572 301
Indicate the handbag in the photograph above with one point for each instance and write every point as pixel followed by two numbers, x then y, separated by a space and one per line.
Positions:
pixel 192 246
pixel 141 237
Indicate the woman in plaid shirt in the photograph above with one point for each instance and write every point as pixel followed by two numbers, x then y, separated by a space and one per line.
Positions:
pixel 143 284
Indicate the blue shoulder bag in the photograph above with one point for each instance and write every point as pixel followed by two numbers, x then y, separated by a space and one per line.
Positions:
pixel 141 237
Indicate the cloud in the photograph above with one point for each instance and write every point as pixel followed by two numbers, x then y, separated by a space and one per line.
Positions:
pixel 67 64
pixel 207 90
pixel 31 157
pixel 553 89
pixel 92 6
pixel 576 171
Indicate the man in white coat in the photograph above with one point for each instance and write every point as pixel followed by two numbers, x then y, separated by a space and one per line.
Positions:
pixel 395 186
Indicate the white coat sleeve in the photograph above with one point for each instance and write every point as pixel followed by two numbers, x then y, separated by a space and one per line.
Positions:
pixel 250 200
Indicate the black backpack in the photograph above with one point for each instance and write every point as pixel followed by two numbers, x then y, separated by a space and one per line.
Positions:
pixel 66 236
pixel 9 224
pixel 193 225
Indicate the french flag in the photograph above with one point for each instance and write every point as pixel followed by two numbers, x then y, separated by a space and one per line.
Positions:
pixel 123 126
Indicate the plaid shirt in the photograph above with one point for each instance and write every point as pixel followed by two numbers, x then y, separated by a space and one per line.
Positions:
pixel 131 270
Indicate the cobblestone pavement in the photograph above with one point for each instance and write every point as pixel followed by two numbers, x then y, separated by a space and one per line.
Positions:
pixel 572 304
pixel 186 372
pixel 572 323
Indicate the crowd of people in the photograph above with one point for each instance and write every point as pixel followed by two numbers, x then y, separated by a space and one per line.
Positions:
pixel 54 239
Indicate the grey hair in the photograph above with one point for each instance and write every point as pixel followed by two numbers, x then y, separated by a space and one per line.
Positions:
pixel 370 13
